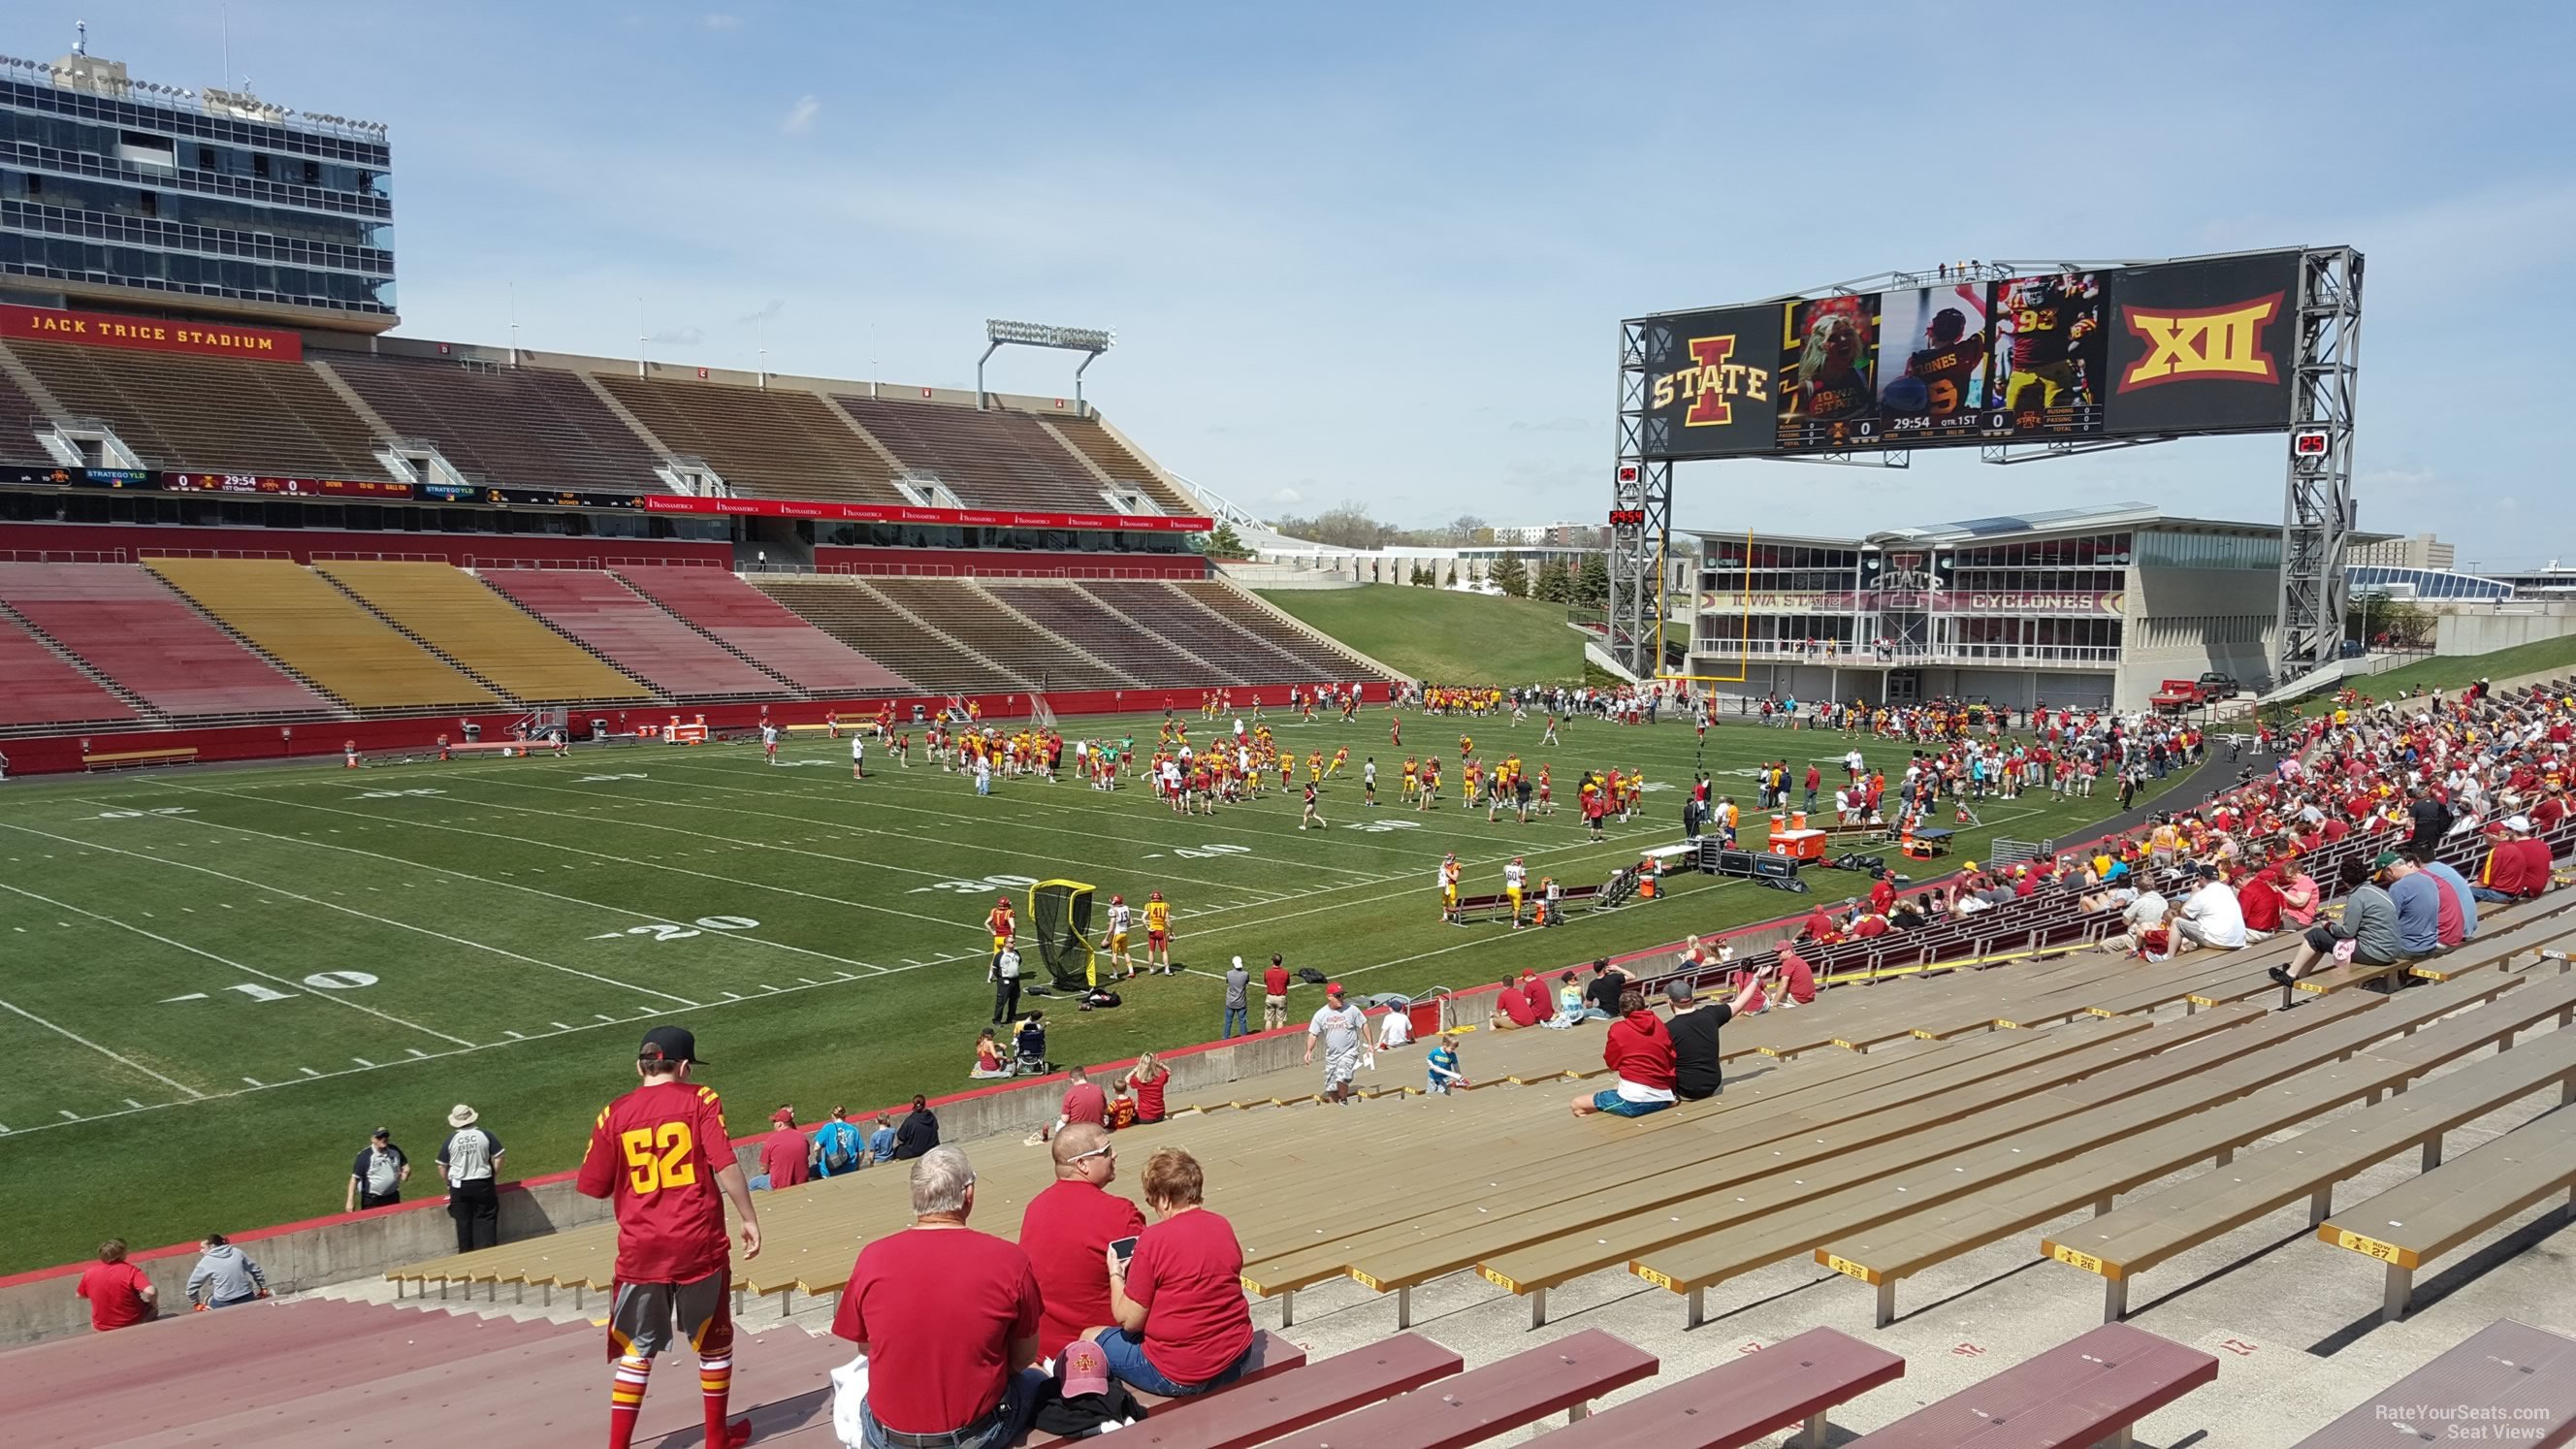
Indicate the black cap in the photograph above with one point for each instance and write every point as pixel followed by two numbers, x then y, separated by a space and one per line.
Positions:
pixel 386 1133
pixel 669 1044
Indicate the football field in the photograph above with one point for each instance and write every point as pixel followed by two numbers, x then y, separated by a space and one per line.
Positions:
pixel 215 983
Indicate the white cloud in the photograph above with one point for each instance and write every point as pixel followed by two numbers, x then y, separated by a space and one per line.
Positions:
pixel 800 117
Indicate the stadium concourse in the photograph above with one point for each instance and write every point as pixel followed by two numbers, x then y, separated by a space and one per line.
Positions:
pixel 1456 1268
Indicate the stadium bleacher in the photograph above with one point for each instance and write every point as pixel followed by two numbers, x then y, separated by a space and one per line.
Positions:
pixel 1091 438
pixel 849 611
pixel 989 459
pixel 1163 610
pixel 526 426
pixel 1110 636
pixel 181 410
pixel 611 620
pixel 764 442
pixel 321 635
pixel 968 615
pixel 751 623
pixel 17 431
pixel 45 690
pixel 459 616
pixel 134 630
pixel 1248 614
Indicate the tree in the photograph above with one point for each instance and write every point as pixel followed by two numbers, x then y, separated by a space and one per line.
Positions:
pixel 1552 584
pixel 1512 576
pixel 1453 573
pixel 1593 588
pixel 1464 528
pixel 1223 542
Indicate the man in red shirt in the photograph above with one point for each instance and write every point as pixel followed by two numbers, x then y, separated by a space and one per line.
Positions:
pixel 1183 1325
pixel 661 1155
pixel 1512 1009
pixel 1066 1229
pixel 1882 894
pixel 786 1157
pixel 1542 1001
pixel 1821 928
pixel 118 1293
pixel 1797 978
pixel 1084 1101
pixel 948 1318
pixel 1274 995
pixel 2517 867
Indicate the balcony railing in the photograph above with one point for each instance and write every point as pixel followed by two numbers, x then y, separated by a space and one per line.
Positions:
pixel 2026 656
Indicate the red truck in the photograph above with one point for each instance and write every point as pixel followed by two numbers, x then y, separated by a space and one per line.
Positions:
pixel 2173 696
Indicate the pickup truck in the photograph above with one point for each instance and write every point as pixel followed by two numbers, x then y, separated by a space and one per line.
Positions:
pixel 2215 686
pixel 2173 696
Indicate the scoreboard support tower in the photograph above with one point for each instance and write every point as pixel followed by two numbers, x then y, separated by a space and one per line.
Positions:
pixel 1641 520
pixel 2317 515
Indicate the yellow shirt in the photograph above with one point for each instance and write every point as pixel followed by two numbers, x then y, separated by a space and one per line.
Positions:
pixel 1158 915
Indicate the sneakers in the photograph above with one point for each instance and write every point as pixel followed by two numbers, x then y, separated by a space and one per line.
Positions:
pixel 2281 974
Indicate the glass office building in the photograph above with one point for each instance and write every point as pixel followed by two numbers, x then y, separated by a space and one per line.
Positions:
pixel 123 191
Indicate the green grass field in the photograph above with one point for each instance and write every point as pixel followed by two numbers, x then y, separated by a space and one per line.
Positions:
pixel 219 981
pixel 1440 636
pixel 2454 672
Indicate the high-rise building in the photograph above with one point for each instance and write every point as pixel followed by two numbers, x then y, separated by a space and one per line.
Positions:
pixel 2423 551
pixel 151 197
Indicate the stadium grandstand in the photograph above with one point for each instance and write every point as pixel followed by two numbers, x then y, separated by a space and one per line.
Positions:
pixel 2233 1107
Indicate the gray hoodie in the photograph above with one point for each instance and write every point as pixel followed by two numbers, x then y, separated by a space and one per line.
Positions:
pixel 225 1275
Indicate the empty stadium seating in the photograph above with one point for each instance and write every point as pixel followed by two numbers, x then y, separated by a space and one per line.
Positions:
pixel 624 628
pixel 1094 441
pixel 43 690
pixel 459 616
pixel 1112 636
pixel 17 426
pixel 1248 614
pixel 988 459
pixel 126 624
pixel 521 426
pixel 859 617
pixel 1162 609
pixel 296 617
pixel 969 616
pixel 759 628
pixel 764 442
pixel 222 414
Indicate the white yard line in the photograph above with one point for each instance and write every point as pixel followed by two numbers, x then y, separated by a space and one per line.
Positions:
pixel 211 956
pixel 120 1060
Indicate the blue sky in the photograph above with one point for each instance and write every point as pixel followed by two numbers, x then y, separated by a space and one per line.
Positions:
pixel 1378 252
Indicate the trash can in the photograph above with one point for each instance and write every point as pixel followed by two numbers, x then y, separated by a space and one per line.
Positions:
pixel 473 732
pixel 598 728
pixel 919 714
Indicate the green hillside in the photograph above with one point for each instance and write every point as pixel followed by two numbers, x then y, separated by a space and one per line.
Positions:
pixel 2453 672
pixel 1439 636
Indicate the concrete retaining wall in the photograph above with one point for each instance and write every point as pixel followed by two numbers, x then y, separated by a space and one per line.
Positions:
pixel 2479 631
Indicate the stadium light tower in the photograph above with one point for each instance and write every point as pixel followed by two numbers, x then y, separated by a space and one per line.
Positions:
pixel 1091 341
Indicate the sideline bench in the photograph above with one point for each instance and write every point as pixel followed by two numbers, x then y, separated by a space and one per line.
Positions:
pixel 2516 1375
pixel 1791 1382
pixel 1244 1415
pixel 2087 1390
pixel 133 759
pixel 1565 1376
pixel 2455 1202
pixel 2118 1246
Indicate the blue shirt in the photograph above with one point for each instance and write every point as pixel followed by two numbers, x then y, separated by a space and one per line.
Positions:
pixel 2419 913
pixel 1443 1059
pixel 2460 889
pixel 843 1136
pixel 881 1145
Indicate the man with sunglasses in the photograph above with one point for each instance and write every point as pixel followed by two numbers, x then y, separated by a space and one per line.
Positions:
pixel 1067 1229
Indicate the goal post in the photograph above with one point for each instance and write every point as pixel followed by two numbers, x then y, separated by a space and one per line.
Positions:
pixel 1060 918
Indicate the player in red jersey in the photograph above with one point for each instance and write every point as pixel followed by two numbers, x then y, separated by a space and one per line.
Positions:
pixel 660 1153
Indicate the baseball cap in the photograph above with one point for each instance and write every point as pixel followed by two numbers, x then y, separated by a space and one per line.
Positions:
pixel 2386 859
pixel 386 1133
pixel 783 1114
pixel 1332 988
pixel 2519 823
pixel 1086 1369
pixel 670 1044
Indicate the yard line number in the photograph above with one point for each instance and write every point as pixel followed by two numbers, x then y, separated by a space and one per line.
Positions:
pixel 669 931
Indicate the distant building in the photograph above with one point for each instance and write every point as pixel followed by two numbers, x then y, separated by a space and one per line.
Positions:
pixel 2083 607
pixel 2423 551
pixel 1556 535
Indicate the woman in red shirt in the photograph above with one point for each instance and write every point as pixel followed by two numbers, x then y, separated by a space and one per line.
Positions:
pixel 1640 1052
pixel 1148 1078
pixel 1184 1326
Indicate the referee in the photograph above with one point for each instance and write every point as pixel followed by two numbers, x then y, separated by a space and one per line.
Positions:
pixel 1005 976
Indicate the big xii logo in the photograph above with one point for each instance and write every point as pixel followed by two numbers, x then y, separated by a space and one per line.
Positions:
pixel 1712 381
pixel 2204 342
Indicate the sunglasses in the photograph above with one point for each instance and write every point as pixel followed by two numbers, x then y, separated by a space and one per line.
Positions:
pixel 1103 1151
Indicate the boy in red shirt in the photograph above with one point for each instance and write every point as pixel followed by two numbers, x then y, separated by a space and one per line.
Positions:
pixel 660 1153
pixel 119 1295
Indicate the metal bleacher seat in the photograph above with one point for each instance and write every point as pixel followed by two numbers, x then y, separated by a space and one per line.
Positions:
pixel 298 618
pixel 233 414
pixel 629 631
pixel 1225 600
pixel 44 690
pixel 776 442
pixel 1086 621
pixel 458 615
pixel 1094 441
pixel 529 426
pixel 1162 609
pixel 2506 1376
pixel 125 623
pixel 966 614
pixel 988 458
pixel 755 625
pixel 858 616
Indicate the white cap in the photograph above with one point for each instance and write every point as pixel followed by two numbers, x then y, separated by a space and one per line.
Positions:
pixel 2521 824
pixel 1238 963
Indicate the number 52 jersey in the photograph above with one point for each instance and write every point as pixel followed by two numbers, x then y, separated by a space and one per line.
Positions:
pixel 656 1152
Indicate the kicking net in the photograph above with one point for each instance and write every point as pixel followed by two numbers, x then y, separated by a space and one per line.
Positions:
pixel 1060 918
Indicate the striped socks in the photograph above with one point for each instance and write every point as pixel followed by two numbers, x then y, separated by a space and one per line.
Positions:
pixel 626 1399
pixel 715 1381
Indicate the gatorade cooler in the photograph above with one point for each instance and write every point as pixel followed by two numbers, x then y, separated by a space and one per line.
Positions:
pixel 1797 819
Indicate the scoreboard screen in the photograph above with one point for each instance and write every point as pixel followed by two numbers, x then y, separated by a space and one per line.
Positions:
pixel 2046 354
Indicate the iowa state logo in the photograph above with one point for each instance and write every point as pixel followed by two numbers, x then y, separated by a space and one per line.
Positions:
pixel 1712 382
pixel 2204 342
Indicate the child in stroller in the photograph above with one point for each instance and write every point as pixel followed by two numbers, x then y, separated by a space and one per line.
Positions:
pixel 1029 1047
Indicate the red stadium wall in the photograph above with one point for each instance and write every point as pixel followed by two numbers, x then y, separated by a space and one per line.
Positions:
pixel 301 544
pixel 1001 564
pixel 314 739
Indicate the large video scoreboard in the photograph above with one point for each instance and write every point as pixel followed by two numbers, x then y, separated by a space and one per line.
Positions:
pixel 2197 346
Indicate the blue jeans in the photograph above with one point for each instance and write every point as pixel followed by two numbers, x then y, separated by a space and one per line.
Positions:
pixel 983 784
pixel 1608 1100
pixel 2491 897
pixel 1238 1021
pixel 1129 1366
pixel 1019 1403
